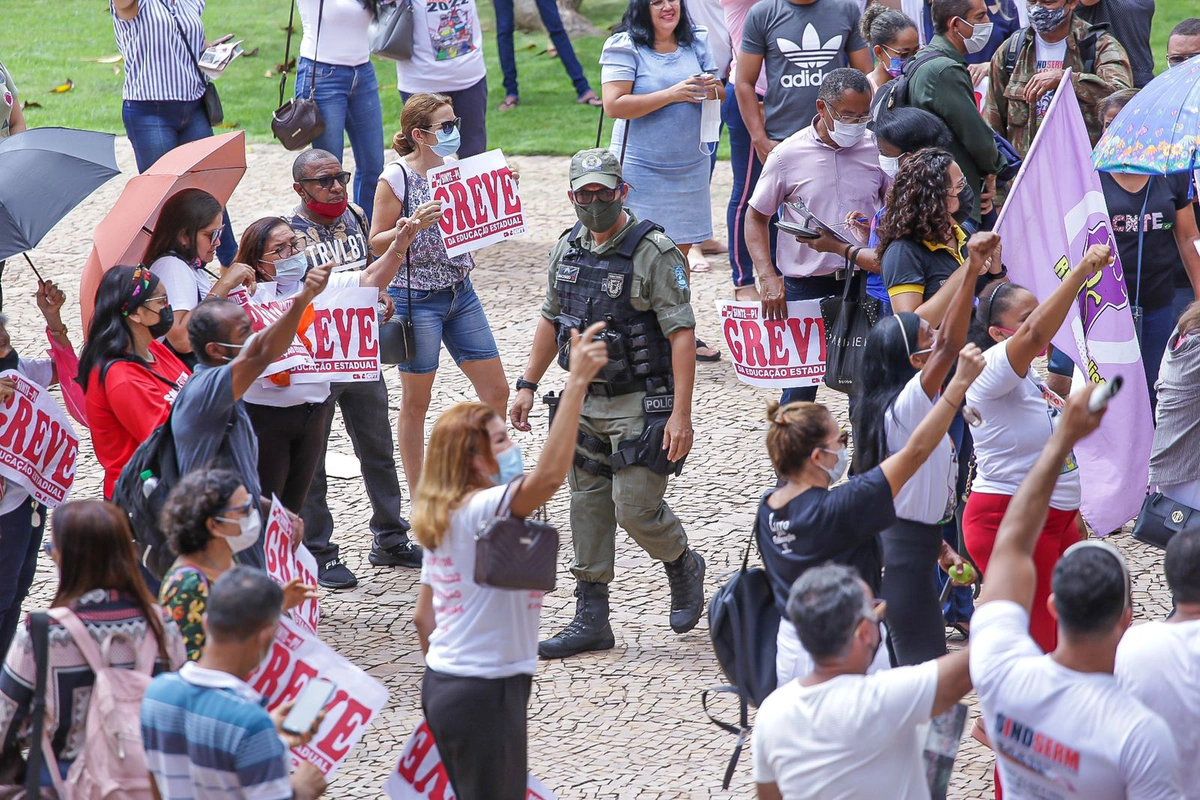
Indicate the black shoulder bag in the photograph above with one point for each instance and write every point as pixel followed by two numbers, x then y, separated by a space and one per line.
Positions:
pixel 397 341
pixel 514 553
pixel 210 98
pixel 298 122
pixel 848 321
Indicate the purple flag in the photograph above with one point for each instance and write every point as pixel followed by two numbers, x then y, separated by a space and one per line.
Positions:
pixel 1054 212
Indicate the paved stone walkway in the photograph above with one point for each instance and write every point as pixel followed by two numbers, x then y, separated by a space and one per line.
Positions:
pixel 622 724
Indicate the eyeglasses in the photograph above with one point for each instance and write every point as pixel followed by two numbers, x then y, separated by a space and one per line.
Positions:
pixel 585 196
pixel 661 3
pixel 285 250
pixel 326 181
pixel 877 613
pixel 957 188
pixel 445 127
pixel 161 299
pixel 1180 58
pixel 908 53
pixel 245 508
pixel 833 112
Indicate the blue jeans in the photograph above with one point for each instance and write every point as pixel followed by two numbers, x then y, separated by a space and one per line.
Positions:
pixel 817 288
pixel 20 540
pixel 548 11
pixel 349 101
pixel 452 316
pixel 746 169
pixel 471 105
pixel 156 127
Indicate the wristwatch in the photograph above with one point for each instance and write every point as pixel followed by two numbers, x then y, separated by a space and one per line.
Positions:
pixel 524 384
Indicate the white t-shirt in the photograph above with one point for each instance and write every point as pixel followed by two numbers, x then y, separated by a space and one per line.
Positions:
pixel 41 372
pixel 851 737
pixel 185 286
pixel 1058 733
pixel 793 662
pixel 343 32
pixel 929 495
pixel 447 48
pixel 1050 55
pixel 1159 664
pixel 1019 414
pixel 480 632
pixel 266 393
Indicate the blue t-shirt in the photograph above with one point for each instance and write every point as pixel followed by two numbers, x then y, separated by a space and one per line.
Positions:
pixel 875 285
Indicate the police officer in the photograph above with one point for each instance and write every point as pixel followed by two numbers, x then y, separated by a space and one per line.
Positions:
pixel 636 426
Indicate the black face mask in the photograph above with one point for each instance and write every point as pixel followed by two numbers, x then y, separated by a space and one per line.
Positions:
pixel 9 361
pixel 166 318
pixel 966 202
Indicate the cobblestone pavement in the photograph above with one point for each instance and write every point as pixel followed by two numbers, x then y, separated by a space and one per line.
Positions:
pixel 622 724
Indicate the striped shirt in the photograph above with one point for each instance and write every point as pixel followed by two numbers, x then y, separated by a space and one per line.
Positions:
pixel 207 736
pixel 158 66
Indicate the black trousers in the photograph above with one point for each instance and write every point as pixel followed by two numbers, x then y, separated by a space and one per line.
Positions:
pixel 20 539
pixel 479 727
pixel 290 443
pixel 914 615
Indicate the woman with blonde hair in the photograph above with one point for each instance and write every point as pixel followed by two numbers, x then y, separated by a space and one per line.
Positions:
pixel 445 307
pixel 480 643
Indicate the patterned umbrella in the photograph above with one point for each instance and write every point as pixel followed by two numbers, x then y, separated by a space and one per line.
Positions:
pixel 1158 132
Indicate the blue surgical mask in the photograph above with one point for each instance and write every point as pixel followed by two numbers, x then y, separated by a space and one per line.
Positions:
pixel 291 269
pixel 447 143
pixel 510 464
pixel 839 469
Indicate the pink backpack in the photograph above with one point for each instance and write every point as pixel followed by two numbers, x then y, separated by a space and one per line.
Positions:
pixel 112 764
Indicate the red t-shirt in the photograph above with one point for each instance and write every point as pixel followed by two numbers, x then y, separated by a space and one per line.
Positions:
pixel 132 403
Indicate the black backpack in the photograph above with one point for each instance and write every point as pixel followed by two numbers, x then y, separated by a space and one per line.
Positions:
pixel 743 623
pixel 1087 48
pixel 894 93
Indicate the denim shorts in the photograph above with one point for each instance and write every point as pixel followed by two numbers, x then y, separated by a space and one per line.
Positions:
pixel 454 316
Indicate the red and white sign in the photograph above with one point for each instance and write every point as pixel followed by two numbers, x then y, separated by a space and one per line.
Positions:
pixel 263 310
pixel 480 204
pixel 420 774
pixel 38 446
pixel 778 353
pixel 342 337
pixel 285 564
pixel 297 657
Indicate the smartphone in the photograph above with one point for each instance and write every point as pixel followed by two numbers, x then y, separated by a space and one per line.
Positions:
pixel 312 699
pixel 796 229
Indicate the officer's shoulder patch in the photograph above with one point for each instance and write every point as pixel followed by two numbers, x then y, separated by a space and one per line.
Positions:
pixel 681 277
pixel 660 240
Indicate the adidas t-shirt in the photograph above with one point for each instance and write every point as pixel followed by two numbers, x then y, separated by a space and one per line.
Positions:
pixel 800 45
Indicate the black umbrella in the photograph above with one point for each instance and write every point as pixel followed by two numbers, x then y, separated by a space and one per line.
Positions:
pixel 44 173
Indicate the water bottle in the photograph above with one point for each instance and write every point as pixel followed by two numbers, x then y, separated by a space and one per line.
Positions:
pixel 149 483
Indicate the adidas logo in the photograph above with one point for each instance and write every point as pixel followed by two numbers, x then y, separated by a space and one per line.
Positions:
pixel 810 52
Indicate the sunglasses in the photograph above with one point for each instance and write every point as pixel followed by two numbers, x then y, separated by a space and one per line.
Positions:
pixel 585 196
pixel 326 181
pixel 1179 59
pixel 445 127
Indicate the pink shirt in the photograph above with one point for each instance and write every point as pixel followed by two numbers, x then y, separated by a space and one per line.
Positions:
pixel 832 181
pixel 735 20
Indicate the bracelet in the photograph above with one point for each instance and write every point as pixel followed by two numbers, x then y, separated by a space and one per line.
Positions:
pixel 846 255
pixel 57 332
pixel 953 404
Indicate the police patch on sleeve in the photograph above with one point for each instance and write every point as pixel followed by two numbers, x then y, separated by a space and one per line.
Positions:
pixel 681 277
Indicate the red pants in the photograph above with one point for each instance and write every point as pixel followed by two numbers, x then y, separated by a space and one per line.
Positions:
pixel 981 519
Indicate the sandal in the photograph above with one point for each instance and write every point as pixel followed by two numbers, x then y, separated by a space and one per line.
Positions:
pixel 959 628
pixel 713 247
pixel 711 355
pixel 589 98
pixel 510 102
pixel 697 261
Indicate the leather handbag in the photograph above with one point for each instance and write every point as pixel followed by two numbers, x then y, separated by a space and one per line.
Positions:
pixel 848 320
pixel 513 553
pixel 1161 518
pixel 210 100
pixel 298 122
pixel 397 339
pixel 391 33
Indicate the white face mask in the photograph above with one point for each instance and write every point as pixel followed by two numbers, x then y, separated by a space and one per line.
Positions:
pixel 980 34
pixel 839 469
pixel 889 165
pixel 847 134
pixel 291 269
pixel 250 525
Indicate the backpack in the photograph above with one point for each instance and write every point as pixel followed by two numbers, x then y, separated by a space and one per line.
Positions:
pixel 743 623
pixel 894 93
pixel 112 763
pixel 1087 48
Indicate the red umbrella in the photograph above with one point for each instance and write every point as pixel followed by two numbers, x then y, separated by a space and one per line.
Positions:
pixel 214 164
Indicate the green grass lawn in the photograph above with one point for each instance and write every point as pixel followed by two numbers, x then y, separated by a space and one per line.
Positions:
pixel 44 43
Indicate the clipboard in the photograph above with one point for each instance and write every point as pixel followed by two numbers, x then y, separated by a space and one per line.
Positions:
pixel 810 220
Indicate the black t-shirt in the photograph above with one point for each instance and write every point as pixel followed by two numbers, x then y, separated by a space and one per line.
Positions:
pixel 1161 262
pixel 909 263
pixel 841 524
pixel 1129 23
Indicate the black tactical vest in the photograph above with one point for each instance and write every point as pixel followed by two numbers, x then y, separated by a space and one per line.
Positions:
pixel 592 288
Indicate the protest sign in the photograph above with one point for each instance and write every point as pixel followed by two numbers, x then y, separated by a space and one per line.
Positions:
pixel 284 563
pixel 420 774
pixel 38 446
pixel 480 204
pixel 297 657
pixel 779 353
pixel 342 337
pixel 263 309
pixel 1055 210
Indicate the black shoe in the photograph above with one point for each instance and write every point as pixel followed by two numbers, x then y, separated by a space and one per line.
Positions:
pixel 406 554
pixel 686 576
pixel 336 575
pixel 589 630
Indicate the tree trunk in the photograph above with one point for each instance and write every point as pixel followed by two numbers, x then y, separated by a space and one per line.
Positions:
pixel 526 16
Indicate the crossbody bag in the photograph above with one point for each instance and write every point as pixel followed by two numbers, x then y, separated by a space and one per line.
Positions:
pixel 397 340
pixel 210 99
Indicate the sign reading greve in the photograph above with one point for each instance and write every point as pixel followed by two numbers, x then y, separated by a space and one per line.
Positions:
pixel 284 563
pixel 297 657
pixel 775 353
pixel 420 774
pixel 38 446
pixel 480 204
pixel 342 338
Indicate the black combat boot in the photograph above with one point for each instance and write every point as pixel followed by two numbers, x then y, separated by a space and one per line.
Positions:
pixel 589 630
pixel 686 576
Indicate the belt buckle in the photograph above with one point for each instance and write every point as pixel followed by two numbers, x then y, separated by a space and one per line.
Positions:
pixel 841 274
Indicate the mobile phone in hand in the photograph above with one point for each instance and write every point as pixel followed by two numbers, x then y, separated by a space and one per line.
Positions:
pixel 312 699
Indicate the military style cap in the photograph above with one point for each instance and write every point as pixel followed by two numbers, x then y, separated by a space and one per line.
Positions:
pixel 595 166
